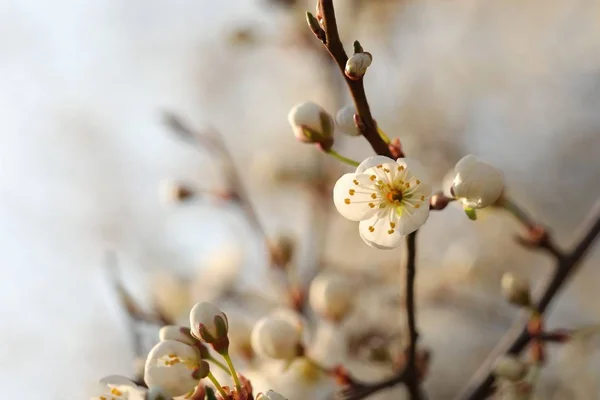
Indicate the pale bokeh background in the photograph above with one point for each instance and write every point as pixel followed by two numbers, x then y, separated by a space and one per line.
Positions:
pixel 83 150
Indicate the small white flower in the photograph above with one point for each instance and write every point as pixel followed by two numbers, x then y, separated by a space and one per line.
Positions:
pixel 331 296
pixel 276 337
pixel 357 65
pixel 208 323
pixel 476 184
pixel 116 387
pixel 510 368
pixel 345 120
pixel 389 198
pixel 515 290
pixel 270 395
pixel 172 366
pixel 175 332
pixel 311 123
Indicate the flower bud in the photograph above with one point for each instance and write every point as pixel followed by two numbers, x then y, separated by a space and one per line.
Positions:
pixel 312 124
pixel 270 395
pixel 476 184
pixel 345 120
pixel 276 337
pixel 208 323
pixel 516 290
pixel 175 332
pixel 357 65
pixel 510 368
pixel 331 296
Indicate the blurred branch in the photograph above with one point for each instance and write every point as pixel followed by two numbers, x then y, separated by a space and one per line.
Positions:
pixel 411 376
pixel 134 312
pixel 517 338
pixel 214 141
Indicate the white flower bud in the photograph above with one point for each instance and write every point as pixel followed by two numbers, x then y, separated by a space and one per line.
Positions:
pixel 311 123
pixel 175 332
pixel 357 65
pixel 270 395
pixel 208 323
pixel 516 290
pixel 510 368
pixel 331 296
pixel 476 184
pixel 345 120
pixel 276 337
pixel 171 365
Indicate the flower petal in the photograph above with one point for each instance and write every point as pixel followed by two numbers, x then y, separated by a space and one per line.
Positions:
pixel 414 169
pixel 466 162
pixel 175 379
pixel 372 162
pixel 117 380
pixel 380 231
pixel 355 197
pixel 412 218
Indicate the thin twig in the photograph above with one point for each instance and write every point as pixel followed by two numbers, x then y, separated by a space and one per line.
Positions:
pixel 335 47
pixel 517 338
pixel 411 374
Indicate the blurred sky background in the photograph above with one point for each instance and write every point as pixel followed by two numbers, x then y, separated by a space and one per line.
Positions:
pixel 83 148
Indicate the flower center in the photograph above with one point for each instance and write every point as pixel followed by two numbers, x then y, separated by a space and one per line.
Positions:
pixel 394 196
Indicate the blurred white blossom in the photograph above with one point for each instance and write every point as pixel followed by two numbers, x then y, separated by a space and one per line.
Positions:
pixel 332 296
pixel 276 337
pixel 116 387
pixel 510 368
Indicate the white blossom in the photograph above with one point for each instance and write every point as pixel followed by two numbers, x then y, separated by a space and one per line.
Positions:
pixel 345 120
pixel 270 395
pixel 510 368
pixel 516 290
pixel 357 65
pixel 331 296
pixel 171 365
pixel 476 184
pixel 276 337
pixel 116 387
pixel 389 198
pixel 175 332
pixel 207 322
pixel 311 123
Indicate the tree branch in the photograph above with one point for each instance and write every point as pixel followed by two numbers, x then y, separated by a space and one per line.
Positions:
pixel 334 45
pixel 411 374
pixel 517 338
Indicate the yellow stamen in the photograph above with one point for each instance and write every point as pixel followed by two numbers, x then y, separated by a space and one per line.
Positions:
pixel 355 182
pixel 351 191
pixel 373 196
pixel 116 392
pixel 390 231
pixel 371 229
pixel 347 201
pixel 372 177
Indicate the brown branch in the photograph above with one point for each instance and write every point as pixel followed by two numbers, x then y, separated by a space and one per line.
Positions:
pixel 411 373
pixel 334 45
pixel 517 338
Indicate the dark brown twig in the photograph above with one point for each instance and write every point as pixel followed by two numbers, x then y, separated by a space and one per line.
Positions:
pixel 517 338
pixel 334 45
pixel 411 375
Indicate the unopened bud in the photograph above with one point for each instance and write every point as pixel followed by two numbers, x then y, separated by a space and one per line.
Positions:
pixel 345 120
pixel 331 296
pixel 210 325
pixel 476 184
pixel 282 250
pixel 516 290
pixel 311 123
pixel 315 27
pixel 171 193
pixel 357 65
pixel 179 333
pixel 277 337
pixel 510 368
